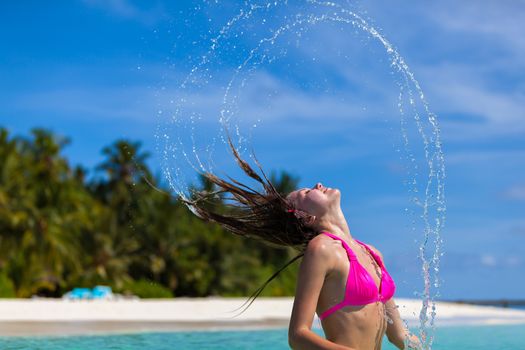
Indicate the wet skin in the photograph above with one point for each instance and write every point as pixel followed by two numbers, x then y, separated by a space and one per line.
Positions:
pixel 322 281
pixel 361 327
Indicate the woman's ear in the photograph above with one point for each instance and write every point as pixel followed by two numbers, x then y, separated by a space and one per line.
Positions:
pixel 309 220
pixel 305 217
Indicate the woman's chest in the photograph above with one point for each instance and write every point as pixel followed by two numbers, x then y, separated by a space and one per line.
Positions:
pixel 360 263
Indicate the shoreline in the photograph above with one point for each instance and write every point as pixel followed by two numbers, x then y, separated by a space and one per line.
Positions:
pixel 56 317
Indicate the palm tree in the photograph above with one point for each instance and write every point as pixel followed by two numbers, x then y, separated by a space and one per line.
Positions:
pixel 45 214
pixel 120 189
pixel 10 160
pixel 285 183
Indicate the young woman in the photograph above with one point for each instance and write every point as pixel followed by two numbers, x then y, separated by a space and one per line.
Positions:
pixel 340 278
pixel 344 281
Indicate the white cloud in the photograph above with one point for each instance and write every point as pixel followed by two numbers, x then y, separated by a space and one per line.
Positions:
pixel 484 156
pixel 455 260
pixel 97 103
pixel 488 260
pixel 265 98
pixel 498 22
pixel 469 57
pixel 455 85
pixel 126 9
pixel 453 89
pixel 460 89
pixel 510 261
pixel 514 261
pixel 289 102
pixel 474 85
pixel 515 192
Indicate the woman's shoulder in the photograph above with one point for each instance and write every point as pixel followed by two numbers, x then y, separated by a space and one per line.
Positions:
pixel 319 246
pixel 319 243
pixel 319 253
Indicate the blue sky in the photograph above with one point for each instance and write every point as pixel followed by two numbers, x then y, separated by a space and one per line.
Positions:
pixel 326 110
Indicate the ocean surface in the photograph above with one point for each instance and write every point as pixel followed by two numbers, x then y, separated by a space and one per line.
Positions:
pixel 472 337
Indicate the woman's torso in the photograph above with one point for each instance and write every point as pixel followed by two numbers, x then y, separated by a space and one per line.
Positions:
pixel 359 326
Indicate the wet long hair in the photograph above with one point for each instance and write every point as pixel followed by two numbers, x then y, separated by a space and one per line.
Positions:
pixel 263 214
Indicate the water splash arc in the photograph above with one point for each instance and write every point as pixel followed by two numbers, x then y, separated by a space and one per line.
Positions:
pixel 428 205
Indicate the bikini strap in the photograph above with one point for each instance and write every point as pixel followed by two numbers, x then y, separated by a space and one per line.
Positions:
pixel 374 254
pixel 349 250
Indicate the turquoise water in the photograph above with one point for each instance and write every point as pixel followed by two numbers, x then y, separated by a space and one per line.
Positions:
pixel 475 338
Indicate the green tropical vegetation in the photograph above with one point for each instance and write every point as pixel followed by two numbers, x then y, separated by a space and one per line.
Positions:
pixel 60 229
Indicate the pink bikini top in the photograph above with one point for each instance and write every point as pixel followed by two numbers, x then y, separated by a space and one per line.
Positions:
pixel 360 286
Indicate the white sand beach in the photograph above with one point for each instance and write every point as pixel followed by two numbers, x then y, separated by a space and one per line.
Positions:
pixel 20 317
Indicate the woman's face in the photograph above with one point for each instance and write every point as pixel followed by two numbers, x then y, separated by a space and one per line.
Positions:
pixel 317 200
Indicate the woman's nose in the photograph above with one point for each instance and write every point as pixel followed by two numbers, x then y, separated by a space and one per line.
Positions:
pixel 318 186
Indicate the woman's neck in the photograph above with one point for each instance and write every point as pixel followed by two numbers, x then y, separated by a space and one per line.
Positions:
pixel 335 224
pixel 338 231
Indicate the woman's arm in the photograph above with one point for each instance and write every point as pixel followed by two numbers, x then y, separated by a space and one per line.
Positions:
pixel 315 264
pixel 396 331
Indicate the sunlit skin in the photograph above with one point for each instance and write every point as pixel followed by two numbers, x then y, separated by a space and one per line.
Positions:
pixel 321 284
